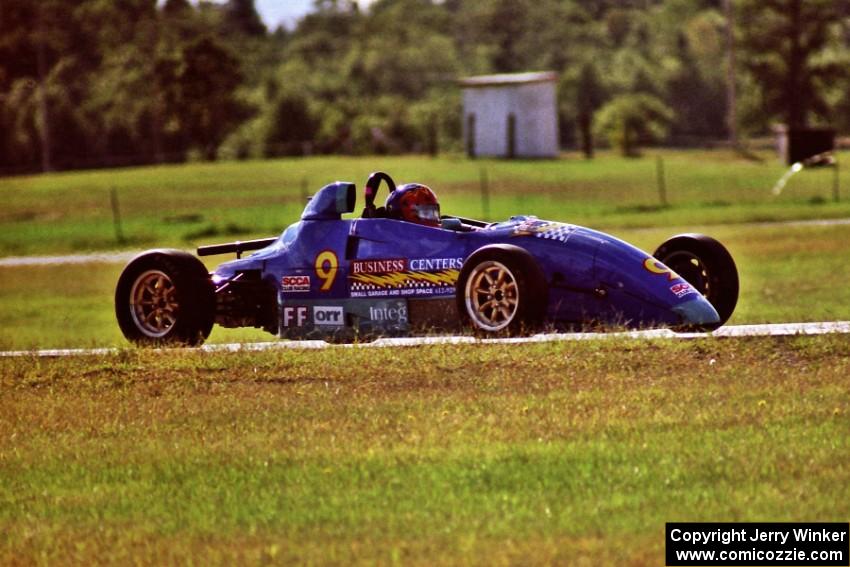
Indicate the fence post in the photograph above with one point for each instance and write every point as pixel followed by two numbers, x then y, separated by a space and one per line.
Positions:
pixel 661 180
pixel 116 215
pixel 836 187
pixel 485 194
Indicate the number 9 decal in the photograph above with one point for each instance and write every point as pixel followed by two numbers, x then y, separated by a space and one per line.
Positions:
pixel 326 267
pixel 654 266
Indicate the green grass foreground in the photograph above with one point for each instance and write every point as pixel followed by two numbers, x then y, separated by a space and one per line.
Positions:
pixel 190 204
pixel 571 453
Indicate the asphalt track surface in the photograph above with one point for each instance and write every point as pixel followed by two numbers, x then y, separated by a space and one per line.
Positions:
pixel 768 330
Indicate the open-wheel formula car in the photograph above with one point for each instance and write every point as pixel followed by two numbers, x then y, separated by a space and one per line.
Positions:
pixel 326 277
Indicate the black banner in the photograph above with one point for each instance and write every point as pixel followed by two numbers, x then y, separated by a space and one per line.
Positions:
pixel 758 544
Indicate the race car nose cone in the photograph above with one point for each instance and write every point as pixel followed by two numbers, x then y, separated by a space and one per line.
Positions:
pixel 697 311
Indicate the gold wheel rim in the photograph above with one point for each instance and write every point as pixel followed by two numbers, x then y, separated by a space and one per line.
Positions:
pixel 492 296
pixel 153 303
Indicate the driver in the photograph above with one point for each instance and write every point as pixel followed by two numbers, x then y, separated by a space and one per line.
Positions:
pixel 414 202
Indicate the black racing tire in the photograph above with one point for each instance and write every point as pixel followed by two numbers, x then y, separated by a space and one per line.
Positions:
pixel 705 264
pixel 501 291
pixel 165 298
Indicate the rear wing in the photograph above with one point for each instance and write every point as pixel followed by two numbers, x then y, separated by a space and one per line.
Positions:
pixel 238 247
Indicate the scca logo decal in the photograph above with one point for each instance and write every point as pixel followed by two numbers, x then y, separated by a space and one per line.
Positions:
pixel 682 289
pixel 295 283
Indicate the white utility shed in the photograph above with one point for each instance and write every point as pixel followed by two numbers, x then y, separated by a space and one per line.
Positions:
pixel 511 115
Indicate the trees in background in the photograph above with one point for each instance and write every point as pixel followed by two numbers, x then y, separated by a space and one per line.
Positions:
pixel 241 18
pixel 632 120
pixel 88 83
pixel 795 53
pixel 205 108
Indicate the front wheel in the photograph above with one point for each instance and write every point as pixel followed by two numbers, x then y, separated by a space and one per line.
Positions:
pixel 501 291
pixel 165 297
pixel 705 264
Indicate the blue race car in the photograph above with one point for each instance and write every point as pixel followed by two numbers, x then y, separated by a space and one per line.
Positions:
pixel 402 270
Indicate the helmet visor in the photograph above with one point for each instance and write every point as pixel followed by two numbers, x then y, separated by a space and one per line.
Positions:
pixel 428 214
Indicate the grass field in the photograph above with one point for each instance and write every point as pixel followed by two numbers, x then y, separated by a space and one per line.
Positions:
pixel 570 453
pixel 788 273
pixel 184 205
pixel 534 454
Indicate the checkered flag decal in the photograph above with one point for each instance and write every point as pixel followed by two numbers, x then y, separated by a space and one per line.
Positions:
pixel 559 232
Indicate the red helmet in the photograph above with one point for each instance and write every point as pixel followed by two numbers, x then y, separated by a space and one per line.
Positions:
pixel 414 203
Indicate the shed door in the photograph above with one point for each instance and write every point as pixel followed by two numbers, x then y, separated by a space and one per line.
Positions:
pixel 470 135
pixel 511 149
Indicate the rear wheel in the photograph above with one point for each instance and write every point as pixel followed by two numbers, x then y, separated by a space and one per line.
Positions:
pixel 705 264
pixel 165 297
pixel 501 291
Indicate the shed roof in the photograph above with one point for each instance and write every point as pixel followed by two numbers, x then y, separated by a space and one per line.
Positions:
pixel 508 79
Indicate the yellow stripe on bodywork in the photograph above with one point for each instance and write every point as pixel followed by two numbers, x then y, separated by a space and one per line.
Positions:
pixel 399 279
